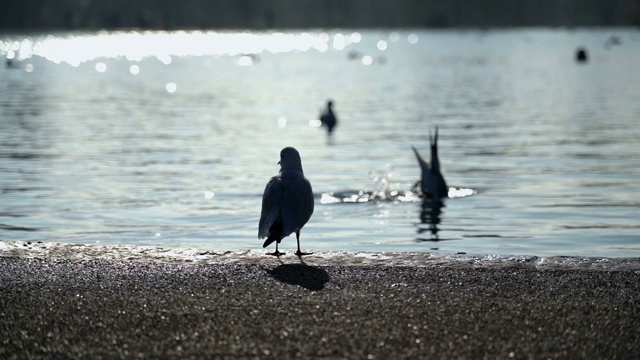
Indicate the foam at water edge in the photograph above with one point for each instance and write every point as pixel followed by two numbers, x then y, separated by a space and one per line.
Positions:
pixel 318 258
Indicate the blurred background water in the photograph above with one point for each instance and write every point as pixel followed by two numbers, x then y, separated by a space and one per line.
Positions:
pixel 168 138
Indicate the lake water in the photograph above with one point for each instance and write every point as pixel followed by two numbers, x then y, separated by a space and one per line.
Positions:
pixel 168 138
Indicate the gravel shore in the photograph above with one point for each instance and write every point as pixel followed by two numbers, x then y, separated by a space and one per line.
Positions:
pixel 57 307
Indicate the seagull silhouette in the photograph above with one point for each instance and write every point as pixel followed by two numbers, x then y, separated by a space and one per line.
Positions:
pixel 287 202
pixel 432 182
pixel 328 118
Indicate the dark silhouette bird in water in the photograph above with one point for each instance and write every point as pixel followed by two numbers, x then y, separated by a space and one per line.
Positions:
pixel 328 118
pixel 11 64
pixel 432 183
pixel 612 41
pixel 287 202
pixel 581 55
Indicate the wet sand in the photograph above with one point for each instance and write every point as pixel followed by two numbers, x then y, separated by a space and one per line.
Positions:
pixel 67 302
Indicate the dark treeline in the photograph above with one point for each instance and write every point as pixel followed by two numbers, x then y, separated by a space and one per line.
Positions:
pixel 265 14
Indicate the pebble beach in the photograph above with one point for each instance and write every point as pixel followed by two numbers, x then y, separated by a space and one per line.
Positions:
pixel 63 301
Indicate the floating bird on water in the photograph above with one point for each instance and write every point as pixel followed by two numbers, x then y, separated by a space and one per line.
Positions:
pixel 432 182
pixel 581 55
pixel 328 118
pixel 11 64
pixel 287 202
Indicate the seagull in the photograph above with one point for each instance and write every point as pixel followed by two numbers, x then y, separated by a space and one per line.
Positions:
pixel 328 118
pixel 287 202
pixel 432 182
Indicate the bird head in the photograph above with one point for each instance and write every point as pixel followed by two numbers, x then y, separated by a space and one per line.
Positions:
pixel 290 159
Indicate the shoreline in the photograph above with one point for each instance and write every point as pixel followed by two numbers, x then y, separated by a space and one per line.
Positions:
pixel 64 301
pixel 77 251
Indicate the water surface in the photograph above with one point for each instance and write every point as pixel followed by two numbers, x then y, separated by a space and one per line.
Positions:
pixel 168 138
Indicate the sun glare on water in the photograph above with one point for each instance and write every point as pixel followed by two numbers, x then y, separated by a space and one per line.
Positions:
pixel 75 49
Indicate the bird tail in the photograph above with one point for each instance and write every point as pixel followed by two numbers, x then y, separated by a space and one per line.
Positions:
pixel 435 161
pixel 434 140
pixel 275 233
pixel 269 241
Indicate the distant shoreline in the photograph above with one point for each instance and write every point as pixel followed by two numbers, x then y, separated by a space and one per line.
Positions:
pixel 294 14
pixel 7 31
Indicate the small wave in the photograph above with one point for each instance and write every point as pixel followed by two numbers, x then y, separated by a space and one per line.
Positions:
pixel 363 196
pixel 17 228
pixel 319 258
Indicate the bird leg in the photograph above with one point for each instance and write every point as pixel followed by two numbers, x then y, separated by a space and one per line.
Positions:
pixel 276 253
pixel 300 253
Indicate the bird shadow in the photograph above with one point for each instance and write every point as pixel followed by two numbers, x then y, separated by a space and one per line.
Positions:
pixel 308 277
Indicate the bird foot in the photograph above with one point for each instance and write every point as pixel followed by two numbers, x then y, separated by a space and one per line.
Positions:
pixel 300 253
pixel 276 253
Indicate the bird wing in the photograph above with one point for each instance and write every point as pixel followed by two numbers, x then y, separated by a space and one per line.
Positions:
pixel 431 179
pixel 271 205
pixel 297 203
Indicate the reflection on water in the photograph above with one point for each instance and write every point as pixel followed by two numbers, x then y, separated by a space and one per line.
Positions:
pixel 167 138
pixel 430 219
pixel 431 210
